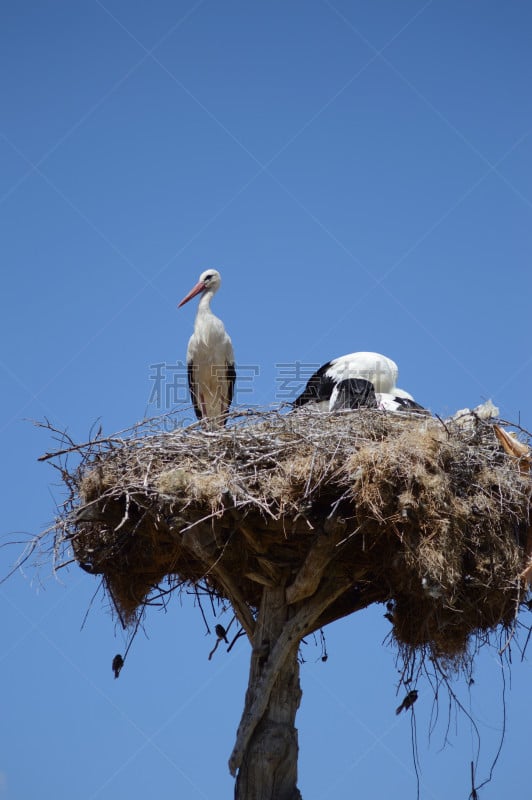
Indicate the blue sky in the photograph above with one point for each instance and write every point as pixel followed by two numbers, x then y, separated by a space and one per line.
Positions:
pixel 360 174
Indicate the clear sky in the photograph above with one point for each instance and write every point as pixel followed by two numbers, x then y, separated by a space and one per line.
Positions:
pixel 360 173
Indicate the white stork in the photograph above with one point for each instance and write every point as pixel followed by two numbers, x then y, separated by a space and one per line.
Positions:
pixel 210 357
pixel 379 370
pixel 354 381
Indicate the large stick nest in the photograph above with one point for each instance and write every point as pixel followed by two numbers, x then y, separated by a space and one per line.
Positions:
pixel 430 517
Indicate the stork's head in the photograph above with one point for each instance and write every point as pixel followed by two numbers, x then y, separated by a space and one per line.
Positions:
pixel 209 281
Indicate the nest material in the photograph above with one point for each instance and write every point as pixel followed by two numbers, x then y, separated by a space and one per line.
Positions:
pixel 429 517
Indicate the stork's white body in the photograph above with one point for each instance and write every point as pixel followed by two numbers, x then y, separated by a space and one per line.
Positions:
pixel 210 356
pixel 379 370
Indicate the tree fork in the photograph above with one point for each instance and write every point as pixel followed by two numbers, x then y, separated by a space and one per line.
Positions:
pixel 266 749
pixel 267 766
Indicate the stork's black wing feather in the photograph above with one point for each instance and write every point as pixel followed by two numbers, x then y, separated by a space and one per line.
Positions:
pixel 231 378
pixel 192 385
pixel 319 387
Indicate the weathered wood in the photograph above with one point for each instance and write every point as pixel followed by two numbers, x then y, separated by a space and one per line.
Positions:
pixel 258 578
pixel 201 541
pixel 353 599
pixel 268 767
pixel 256 542
pixel 274 571
pixel 282 648
pixel 322 550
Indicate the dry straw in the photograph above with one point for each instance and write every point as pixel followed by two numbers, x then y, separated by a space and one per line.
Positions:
pixel 430 517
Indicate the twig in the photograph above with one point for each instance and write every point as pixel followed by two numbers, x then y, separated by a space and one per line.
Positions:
pixel 240 606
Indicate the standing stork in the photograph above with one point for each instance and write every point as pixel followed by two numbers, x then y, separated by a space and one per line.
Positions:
pixel 210 357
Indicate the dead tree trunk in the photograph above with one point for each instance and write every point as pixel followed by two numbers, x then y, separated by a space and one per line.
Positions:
pixel 264 757
pixel 266 748
pixel 268 764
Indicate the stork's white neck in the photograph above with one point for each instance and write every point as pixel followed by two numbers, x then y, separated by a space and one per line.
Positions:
pixel 206 323
pixel 204 305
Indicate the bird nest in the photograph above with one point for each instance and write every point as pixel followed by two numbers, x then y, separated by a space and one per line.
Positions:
pixel 427 516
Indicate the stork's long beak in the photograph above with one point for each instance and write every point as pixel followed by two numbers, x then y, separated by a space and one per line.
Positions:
pixel 199 287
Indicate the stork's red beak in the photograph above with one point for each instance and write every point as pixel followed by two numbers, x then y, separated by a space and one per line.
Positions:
pixel 199 287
